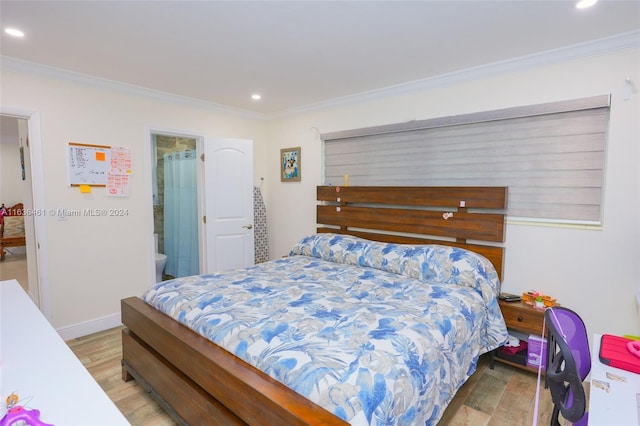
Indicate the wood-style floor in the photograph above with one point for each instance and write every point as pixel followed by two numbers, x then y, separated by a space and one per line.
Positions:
pixel 502 396
pixel 14 267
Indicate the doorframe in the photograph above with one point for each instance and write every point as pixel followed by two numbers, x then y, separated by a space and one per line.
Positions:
pixel 39 203
pixel 200 182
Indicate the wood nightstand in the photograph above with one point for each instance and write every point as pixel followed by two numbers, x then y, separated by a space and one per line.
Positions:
pixel 524 319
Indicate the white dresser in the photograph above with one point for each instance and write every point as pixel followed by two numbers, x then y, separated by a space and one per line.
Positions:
pixel 37 364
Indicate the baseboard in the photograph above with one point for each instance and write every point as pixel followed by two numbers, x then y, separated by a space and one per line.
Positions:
pixel 89 327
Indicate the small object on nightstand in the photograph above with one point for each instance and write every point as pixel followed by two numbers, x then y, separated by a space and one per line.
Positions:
pixel 537 352
pixel 508 297
pixel 531 297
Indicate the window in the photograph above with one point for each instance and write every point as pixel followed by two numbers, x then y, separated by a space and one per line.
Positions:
pixel 551 156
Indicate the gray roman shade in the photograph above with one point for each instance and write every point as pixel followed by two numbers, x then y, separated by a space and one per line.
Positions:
pixel 551 156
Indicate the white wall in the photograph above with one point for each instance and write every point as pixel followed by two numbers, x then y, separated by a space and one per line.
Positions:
pixel 594 272
pixel 93 262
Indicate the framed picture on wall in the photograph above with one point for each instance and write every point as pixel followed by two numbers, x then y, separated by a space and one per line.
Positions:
pixel 290 164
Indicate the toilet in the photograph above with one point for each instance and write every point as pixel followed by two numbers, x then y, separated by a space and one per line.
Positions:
pixel 161 260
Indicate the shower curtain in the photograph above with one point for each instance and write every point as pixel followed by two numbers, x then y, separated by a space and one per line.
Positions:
pixel 181 214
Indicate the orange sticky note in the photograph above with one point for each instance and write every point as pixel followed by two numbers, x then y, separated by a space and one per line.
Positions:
pixel 100 156
pixel 85 189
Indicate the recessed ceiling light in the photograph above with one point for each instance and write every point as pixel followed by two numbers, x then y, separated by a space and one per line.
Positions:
pixel 583 4
pixel 14 32
pixel 256 97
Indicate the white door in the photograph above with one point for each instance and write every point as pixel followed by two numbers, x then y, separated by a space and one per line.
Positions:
pixel 228 171
pixel 29 221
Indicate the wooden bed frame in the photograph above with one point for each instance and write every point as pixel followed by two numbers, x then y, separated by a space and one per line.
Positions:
pixel 200 383
pixel 16 210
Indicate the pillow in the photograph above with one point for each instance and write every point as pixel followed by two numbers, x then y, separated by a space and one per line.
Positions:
pixel 13 226
pixel 428 263
pixel 332 247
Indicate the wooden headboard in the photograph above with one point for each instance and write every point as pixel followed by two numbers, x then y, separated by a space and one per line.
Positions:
pixel 468 217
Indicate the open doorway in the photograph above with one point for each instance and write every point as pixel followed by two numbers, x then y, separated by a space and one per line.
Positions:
pixel 220 205
pixel 19 261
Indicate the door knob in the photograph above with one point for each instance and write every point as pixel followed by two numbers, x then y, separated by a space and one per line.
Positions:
pixel 249 226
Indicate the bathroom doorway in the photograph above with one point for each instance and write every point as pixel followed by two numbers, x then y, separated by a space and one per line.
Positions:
pixel 175 203
pixel 219 210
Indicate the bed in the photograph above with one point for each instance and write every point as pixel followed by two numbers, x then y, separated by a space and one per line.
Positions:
pixel 378 318
pixel 11 228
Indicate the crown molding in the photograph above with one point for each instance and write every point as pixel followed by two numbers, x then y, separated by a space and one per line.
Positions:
pixel 608 45
pixel 619 42
pixel 130 89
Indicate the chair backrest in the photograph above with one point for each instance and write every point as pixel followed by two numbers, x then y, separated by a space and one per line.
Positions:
pixel 569 363
pixel 12 221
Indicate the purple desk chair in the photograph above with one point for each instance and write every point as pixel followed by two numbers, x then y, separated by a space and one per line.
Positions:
pixel 569 362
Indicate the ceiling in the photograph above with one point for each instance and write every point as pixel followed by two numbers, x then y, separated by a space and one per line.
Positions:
pixel 294 53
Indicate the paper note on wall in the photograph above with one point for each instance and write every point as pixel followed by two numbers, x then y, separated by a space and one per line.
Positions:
pixel 121 163
pixel 117 185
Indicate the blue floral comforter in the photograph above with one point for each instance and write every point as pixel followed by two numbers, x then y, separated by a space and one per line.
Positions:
pixel 376 333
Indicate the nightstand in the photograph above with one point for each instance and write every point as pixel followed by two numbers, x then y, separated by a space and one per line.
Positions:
pixel 524 319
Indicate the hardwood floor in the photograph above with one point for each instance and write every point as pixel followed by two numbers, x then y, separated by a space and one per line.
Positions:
pixel 101 353
pixel 502 396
